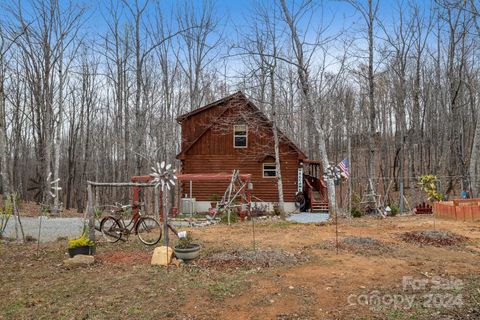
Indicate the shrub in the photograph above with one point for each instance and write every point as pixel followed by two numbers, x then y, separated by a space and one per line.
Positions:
pixel 395 209
pixel 98 213
pixel 356 200
pixel 234 217
pixel 356 213
pixel 29 238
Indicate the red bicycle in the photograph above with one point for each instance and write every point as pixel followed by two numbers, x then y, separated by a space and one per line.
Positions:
pixel 115 228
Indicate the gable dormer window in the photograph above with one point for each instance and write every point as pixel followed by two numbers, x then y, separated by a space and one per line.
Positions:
pixel 240 136
pixel 269 170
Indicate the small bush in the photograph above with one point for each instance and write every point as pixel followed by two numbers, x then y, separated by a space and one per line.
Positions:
pixel 98 213
pixel 395 210
pixel 356 213
pixel 234 217
pixel 29 238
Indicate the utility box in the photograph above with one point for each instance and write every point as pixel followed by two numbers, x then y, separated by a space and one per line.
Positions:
pixel 187 205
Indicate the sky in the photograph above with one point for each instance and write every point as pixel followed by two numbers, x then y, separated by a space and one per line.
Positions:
pixel 340 16
pixel 234 13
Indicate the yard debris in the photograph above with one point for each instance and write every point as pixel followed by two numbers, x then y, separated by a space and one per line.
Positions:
pixel 80 260
pixel 195 222
pixel 247 258
pixel 433 237
pixel 177 262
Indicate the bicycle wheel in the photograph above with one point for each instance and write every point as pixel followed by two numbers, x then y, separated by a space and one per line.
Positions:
pixel 148 230
pixel 111 229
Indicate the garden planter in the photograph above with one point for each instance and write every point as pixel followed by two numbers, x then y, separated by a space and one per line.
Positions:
pixel 189 253
pixel 81 250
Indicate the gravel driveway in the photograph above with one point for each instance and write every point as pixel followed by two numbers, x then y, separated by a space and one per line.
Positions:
pixel 52 228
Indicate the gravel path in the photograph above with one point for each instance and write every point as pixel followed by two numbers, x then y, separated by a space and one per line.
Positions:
pixel 306 217
pixel 52 228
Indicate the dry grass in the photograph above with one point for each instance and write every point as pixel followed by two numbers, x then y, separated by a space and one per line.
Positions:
pixel 294 274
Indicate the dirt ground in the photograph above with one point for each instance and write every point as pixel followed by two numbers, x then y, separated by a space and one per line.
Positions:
pixel 295 272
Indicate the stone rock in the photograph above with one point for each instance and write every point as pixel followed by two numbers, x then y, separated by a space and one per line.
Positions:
pixel 80 260
pixel 177 262
pixel 162 256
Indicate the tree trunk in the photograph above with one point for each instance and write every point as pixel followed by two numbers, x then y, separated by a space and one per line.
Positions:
pixel 3 144
pixel 276 140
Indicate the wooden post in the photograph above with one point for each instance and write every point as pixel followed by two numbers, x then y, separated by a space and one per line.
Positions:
pixel 91 213
pixel 350 166
pixel 157 202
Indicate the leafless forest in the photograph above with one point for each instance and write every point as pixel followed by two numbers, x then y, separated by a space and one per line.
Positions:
pixel 397 92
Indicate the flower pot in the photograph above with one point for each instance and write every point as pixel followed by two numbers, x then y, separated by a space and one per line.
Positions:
pixel 189 253
pixel 81 250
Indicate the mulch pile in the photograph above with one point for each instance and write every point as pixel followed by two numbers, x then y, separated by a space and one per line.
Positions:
pixel 249 259
pixel 364 246
pixel 434 238
pixel 120 257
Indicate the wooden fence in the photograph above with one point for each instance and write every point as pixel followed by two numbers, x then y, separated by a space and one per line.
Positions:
pixel 458 209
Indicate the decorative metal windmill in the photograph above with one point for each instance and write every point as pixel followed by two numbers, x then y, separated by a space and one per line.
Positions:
pixel 163 175
pixel 333 172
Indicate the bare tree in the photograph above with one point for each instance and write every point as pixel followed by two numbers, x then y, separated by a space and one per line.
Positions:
pixel 305 87
pixel 201 38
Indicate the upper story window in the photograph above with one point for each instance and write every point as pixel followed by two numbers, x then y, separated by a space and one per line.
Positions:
pixel 240 136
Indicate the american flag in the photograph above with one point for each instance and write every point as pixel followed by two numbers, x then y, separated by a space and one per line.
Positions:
pixel 345 167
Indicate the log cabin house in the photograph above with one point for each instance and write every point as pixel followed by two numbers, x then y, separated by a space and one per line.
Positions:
pixel 232 133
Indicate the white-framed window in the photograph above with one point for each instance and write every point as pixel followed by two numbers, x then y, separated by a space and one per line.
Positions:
pixel 269 170
pixel 240 136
